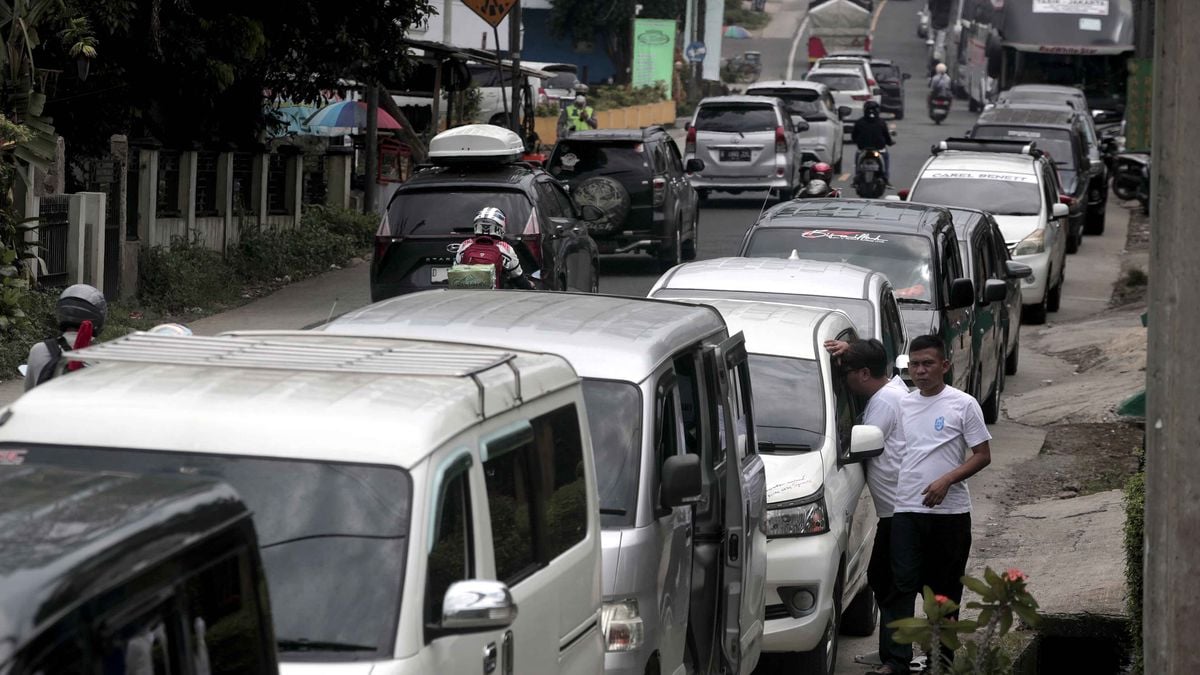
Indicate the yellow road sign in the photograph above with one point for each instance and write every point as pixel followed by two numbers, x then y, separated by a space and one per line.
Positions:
pixel 491 11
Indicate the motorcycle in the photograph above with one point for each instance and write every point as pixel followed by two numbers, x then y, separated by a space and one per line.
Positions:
pixel 1131 177
pixel 939 108
pixel 869 181
pixel 816 189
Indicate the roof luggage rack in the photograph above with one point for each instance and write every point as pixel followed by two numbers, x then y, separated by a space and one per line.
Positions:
pixel 974 145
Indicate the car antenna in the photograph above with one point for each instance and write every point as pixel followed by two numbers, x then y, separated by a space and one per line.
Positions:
pixel 764 205
pixel 331 308
pixel 795 255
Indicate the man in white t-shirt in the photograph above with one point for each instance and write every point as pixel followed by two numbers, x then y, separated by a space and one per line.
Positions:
pixel 864 364
pixel 946 442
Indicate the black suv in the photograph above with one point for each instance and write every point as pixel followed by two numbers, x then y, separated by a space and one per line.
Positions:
pixel 891 83
pixel 1058 132
pixel 638 179
pixel 433 213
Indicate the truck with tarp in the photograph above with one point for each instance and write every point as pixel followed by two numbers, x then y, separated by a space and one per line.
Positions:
pixel 838 25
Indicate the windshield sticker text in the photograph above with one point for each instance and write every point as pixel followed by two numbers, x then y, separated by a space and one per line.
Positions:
pixel 983 175
pixel 12 457
pixel 1021 133
pixel 847 235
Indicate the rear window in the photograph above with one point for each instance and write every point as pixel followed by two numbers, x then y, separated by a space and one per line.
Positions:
pixel 577 158
pixel 451 210
pixel 1055 142
pixel 886 73
pixel 805 102
pixel 839 81
pixel 561 81
pixel 734 118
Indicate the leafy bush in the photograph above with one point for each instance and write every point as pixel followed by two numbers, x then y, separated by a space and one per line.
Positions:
pixel 183 276
pixel 736 15
pixel 608 97
pixel 36 324
pixel 360 227
pixel 266 254
pixel 1135 525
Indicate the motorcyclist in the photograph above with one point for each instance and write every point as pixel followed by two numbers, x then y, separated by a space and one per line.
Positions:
pixel 820 183
pixel 488 247
pixel 80 311
pixel 939 84
pixel 872 133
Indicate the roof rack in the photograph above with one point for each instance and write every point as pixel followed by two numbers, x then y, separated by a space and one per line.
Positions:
pixel 301 356
pixel 974 145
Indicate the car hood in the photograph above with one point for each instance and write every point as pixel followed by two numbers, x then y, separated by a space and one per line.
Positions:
pixel 918 321
pixel 1016 228
pixel 793 476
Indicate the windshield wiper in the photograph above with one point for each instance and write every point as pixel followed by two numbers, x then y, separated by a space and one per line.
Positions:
pixel 912 301
pixel 306 645
pixel 771 446
pixel 609 511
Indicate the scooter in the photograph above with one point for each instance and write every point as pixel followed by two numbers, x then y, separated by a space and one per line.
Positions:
pixel 816 189
pixel 869 181
pixel 1131 177
pixel 939 108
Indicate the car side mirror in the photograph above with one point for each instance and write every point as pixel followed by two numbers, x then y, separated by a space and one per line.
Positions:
pixel 1097 163
pixel 476 606
pixel 694 165
pixel 1017 270
pixel 1059 210
pixel 866 441
pixel 590 212
pixel 995 290
pixel 962 293
pixel 687 125
pixel 681 481
pixel 799 124
pixel 844 112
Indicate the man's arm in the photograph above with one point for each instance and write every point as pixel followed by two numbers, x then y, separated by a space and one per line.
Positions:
pixel 981 456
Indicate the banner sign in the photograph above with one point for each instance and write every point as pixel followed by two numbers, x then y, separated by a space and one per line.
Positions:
pixel 653 52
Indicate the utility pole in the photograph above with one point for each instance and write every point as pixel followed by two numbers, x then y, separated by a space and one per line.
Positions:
pixel 514 53
pixel 1171 606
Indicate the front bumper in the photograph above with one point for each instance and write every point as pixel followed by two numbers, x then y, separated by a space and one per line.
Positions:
pixel 1033 289
pixel 799 562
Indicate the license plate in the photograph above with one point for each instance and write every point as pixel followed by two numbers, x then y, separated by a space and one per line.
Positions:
pixel 737 155
pixel 439 275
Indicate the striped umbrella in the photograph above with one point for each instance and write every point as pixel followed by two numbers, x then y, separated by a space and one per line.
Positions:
pixel 350 114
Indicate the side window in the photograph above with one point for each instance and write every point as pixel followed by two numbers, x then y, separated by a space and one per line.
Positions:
pixel 559 452
pixel 510 491
pixel 660 160
pixel 1002 254
pixel 548 203
pixel 65 658
pixel 893 310
pixel 223 618
pixel 688 383
pixel 948 272
pixel 1048 187
pixel 145 645
pixel 739 378
pixel 451 555
pixel 674 158
pixel 667 441
pixel 886 328
pixel 845 411
pixel 564 202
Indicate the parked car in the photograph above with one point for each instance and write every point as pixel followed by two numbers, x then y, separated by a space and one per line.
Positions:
pixel 849 89
pixel 811 102
pixel 638 180
pixel 864 295
pixel 746 143
pixel 100 568
pixel 913 245
pixel 891 84
pixel 409 497
pixel 495 91
pixel 668 401
pixel 850 59
pixel 820 519
pixel 477 166
pixel 996 323
pixel 1060 134
pixel 1016 183
pixel 561 86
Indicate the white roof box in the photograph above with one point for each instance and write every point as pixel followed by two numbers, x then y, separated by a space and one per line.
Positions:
pixel 476 142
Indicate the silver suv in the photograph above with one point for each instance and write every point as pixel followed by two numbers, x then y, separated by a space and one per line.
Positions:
pixel 746 143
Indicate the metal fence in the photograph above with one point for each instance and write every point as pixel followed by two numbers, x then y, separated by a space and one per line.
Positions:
pixel 52 234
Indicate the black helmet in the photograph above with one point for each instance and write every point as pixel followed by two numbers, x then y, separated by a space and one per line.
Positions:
pixel 871 109
pixel 80 303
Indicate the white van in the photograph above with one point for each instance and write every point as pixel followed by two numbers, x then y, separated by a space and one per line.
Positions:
pixel 420 507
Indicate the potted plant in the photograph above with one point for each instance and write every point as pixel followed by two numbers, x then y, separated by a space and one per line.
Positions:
pixel 77 37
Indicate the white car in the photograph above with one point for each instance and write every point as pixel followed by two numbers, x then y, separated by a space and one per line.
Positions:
pixel 820 519
pixel 812 101
pixel 1017 185
pixel 420 507
pixel 849 87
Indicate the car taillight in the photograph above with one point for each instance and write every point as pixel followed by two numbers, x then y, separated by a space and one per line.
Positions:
pixel 867 42
pixel 816 48
pixel 689 146
pixel 381 246
pixel 871 83
pixel 660 190
pixel 861 97
pixel 780 141
pixel 533 242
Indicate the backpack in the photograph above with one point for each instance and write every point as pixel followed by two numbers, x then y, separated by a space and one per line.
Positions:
pixel 484 250
pixel 55 346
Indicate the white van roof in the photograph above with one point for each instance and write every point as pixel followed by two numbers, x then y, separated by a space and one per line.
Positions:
pixel 305 396
pixel 772 275
pixel 782 330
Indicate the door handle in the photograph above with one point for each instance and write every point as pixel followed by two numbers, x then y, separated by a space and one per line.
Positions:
pixel 506 653
pixel 489 658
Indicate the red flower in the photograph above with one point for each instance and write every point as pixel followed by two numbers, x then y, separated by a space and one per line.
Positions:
pixel 941 599
pixel 1014 574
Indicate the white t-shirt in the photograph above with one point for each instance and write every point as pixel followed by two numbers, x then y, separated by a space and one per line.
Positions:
pixel 883 472
pixel 939 431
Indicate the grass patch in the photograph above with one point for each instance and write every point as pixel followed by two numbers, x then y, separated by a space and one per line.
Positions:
pixel 1135 532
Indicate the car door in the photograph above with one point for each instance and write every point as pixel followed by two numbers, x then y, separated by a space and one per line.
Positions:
pixel 845 483
pixel 745 558
pixel 671 209
pixel 986 325
pixel 1056 228
pixel 685 195
pixel 1012 302
pixel 575 245
pixel 835 128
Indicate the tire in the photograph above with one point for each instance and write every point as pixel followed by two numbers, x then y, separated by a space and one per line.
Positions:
pixel 606 194
pixel 862 615
pixel 991 405
pixel 670 252
pixel 1073 243
pixel 1123 191
pixel 973 106
pixel 1095 221
pixel 822 659
pixel 498 120
pixel 1054 297
pixel 937 121
pixel 692 244
pixel 1013 360
pixel 701 197
pixel 1035 314
pixel 899 114
pixel 837 166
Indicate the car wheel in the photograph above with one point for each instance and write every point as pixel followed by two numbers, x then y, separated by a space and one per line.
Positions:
pixel 862 615
pixel 837 166
pixel 1035 314
pixel 701 196
pixel 1072 243
pixel 692 245
pixel 1014 358
pixel 991 406
pixel 498 120
pixel 1054 299
pixel 900 113
pixel 1095 221
pixel 670 252
pixel 823 658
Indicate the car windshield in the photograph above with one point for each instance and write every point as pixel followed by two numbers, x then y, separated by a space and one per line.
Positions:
pixel 615 420
pixel 861 312
pixel 839 81
pixel 906 260
pixel 333 539
pixel 886 73
pixel 561 81
pixel 1054 142
pixel 789 403
pixel 736 118
pixel 806 102
pixel 1003 194
pixel 452 210
pixel 572 159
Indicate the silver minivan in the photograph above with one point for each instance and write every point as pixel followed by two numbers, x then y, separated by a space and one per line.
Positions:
pixel 668 400
pixel 746 143
pixel 813 103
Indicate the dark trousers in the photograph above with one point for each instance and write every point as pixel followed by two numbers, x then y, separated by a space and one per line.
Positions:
pixel 929 549
pixel 882 581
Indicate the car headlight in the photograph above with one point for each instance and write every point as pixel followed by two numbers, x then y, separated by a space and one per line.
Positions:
pixel 621 623
pixel 799 520
pixel 1034 243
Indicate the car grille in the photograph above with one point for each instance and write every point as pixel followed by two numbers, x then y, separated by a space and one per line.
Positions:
pixel 777 612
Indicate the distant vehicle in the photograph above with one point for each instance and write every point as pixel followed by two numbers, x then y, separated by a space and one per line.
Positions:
pixel 100 568
pixel 421 507
pixel 477 166
pixel 891 81
pixel 838 25
pixel 746 143
pixel 637 178
pixel 813 103
pixel 744 67
pixel 682 488
pixel 849 87
pixel 561 86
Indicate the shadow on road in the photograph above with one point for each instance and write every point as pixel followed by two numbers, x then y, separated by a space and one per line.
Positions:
pixel 628 264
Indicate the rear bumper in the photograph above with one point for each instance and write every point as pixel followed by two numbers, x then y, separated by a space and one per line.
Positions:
pixel 739 183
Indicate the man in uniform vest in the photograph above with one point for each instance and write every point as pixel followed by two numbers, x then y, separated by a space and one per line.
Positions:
pixel 580 116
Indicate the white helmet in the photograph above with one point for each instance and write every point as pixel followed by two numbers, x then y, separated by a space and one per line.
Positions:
pixel 491 221
pixel 940 69
pixel 580 101
pixel 171 329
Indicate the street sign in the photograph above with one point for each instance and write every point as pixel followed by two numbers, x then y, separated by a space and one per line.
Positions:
pixel 695 52
pixel 491 11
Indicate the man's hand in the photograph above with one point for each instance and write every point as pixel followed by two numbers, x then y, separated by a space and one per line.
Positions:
pixel 837 347
pixel 936 492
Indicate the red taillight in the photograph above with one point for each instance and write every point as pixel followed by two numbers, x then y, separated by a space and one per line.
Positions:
pixel 867 43
pixel 660 190
pixel 533 242
pixel 381 246
pixel 780 141
pixel 816 49
pixel 871 83
pixel 1067 199
pixel 689 146
pixel 861 97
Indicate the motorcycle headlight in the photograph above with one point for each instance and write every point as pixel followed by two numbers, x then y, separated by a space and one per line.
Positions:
pixel 621 624
pixel 1034 243
pixel 799 520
